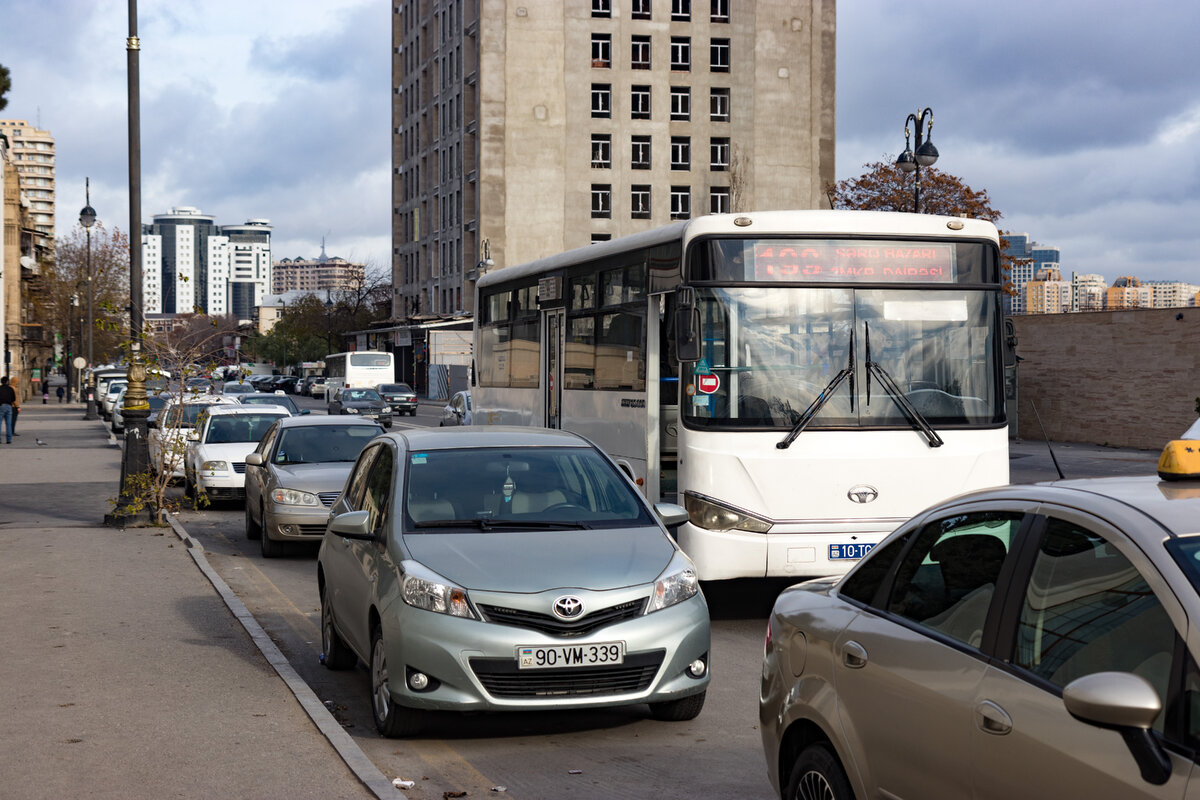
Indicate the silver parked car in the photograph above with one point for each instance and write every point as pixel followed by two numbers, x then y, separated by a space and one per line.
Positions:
pixel 508 569
pixel 1034 641
pixel 457 411
pixel 296 473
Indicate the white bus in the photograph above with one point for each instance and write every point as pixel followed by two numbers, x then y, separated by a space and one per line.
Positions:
pixel 801 381
pixel 363 368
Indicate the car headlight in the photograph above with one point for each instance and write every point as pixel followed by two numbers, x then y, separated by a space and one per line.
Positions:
pixel 349 410
pixel 423 588
pixel 714 516
pixel 215 466
pixel 676 584
pixel 293 497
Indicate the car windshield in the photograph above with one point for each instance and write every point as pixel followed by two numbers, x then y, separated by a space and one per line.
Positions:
pixel 473 489
pixel 396 388
pixel 238 428
pixel 183 416
pixel 318 444
pixel 234 388
pixel 272 400
pixel 360 395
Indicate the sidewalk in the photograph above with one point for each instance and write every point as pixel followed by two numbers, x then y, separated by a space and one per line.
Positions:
pixel 125 673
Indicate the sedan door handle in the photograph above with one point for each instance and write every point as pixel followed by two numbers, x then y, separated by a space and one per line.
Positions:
pixel 992 719
pixel 854 655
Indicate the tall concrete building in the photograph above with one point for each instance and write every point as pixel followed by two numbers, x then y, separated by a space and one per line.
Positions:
pixel 525 129
pixel 192 265
pixel 1028 258
pixel 32 152
pixel 1048 293
pixel 321 274
pixel 1088 291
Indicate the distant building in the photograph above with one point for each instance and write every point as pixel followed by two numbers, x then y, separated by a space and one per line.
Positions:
pixel 31 151
pixel 1088 292
pixel 192 265
pixel 1028 258
pixel 1172 294
pixel 1128 292
pixel 1047 293
pixel 316 275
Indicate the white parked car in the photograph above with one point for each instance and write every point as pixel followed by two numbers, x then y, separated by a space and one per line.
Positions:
pixel 109 398
pixel 167 437
pixel 215 463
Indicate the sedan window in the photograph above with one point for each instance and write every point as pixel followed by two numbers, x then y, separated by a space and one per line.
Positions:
pixel 1087 609
pixel 323 444
pixel 947 579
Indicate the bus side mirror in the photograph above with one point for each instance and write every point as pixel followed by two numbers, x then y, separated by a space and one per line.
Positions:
pixel 687 325
pixel 1010 344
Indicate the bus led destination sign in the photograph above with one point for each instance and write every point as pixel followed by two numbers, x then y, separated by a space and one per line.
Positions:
pixel 853 262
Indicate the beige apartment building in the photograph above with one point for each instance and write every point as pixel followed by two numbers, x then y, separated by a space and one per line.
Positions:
pixel 32 153
pixel 316 275
pixel 522 129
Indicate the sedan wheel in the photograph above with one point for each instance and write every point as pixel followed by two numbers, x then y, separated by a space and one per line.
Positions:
pixel 334 652
pixel 391 720
pixel 684 708
pixel 817 775
pixel 270 548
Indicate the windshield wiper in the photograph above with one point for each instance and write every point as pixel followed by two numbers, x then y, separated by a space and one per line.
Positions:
pixel 485 524
pixel 823 398
pixel 914 416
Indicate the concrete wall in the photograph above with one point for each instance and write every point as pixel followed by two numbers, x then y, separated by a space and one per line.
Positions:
pixel 1122 378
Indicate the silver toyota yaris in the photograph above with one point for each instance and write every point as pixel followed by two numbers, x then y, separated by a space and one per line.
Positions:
pixel 505 569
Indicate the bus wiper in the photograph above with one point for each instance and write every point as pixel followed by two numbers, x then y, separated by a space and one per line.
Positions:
pixel 914 416
pixel 823 398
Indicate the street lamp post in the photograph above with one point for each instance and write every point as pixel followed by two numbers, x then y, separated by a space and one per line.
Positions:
pixel 925 156
pixel 87 218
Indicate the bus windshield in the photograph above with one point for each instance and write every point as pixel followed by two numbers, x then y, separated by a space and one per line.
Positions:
pixel 769 352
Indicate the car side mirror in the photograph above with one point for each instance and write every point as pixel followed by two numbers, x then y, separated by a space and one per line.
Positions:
pixel 353 525
pixel 670 514
pixel 254 460
pixel 193 435
pixel 304 411
pixel 1128 704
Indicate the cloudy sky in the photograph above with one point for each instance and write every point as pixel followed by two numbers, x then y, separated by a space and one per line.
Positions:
pixel 1081 118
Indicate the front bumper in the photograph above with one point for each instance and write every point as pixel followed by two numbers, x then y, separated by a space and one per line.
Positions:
pixel 473 664
pixel 230 485
pixel 294 523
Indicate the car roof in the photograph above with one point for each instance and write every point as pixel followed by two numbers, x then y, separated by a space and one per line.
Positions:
pixel 326 421
pixel 1174 505
pixel 486 436
pixel 244 396
pixel 234 409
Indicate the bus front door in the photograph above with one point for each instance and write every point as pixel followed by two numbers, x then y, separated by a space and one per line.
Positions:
pixel 552 383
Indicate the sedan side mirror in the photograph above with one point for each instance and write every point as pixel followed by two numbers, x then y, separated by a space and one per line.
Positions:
pixel 353 525
pixel 254 460
pixel 1128 704
pixel 670 514
pixel 304 411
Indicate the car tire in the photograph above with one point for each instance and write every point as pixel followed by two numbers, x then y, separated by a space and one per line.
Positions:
pixel 335 654
pixel 270 548
pixel 680 710
pixel 253 529
pixel 391 720
pixel 817 774
pixel 189 488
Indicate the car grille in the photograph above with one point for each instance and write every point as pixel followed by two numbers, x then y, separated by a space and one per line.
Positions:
pixel 311 530
pixel 239 467
pixel 329 498
pixel 553 626
pixel 501 677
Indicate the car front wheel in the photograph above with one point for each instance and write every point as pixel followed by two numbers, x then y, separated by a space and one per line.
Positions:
pixel 680 710
pixel 817 775
pixel 253 529
pixel 391 720
pixel 270 548
pixel 334 652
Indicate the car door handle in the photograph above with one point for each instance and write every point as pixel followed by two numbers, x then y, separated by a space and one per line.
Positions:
pixel 854 655
pixel 992 719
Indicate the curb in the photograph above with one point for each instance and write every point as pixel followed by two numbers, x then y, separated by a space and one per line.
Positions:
pixel 362 767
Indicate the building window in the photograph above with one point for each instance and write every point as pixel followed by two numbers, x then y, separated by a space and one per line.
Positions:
pixel 720 11
pixel 640 155
pixel 601 201
pixel 602 150
pixel 640 9
pixel 681 10
pixel 718 153
pixel 601 50
pixel 601 8
pixel 640 55
pixel 639 201
pixel 681 152
pixel 718 200
pixel 681 53
pixel 601 237
pixel 639 102
pixel 681 103
pixel 718 105
pixel 718 55
pixel 601 99
pixel 681 202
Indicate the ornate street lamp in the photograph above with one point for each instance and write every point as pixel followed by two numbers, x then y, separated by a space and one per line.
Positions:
pixel 925 155
pixel 87 218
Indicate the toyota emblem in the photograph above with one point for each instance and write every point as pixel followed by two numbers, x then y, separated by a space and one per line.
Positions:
pixel 568 607
pixel 862 493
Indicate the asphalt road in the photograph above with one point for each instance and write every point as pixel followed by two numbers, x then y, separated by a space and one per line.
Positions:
pixel 615 753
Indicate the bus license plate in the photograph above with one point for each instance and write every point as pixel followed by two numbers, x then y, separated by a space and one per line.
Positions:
pixel 849 552
pixel 566 655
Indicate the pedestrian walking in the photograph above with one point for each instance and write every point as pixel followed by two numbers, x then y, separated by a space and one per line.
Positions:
pixel 60 391
pixel 16 406
pixel 8 397
pixel 45 396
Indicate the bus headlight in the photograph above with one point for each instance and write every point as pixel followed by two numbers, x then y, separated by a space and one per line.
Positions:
pixel 704 512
